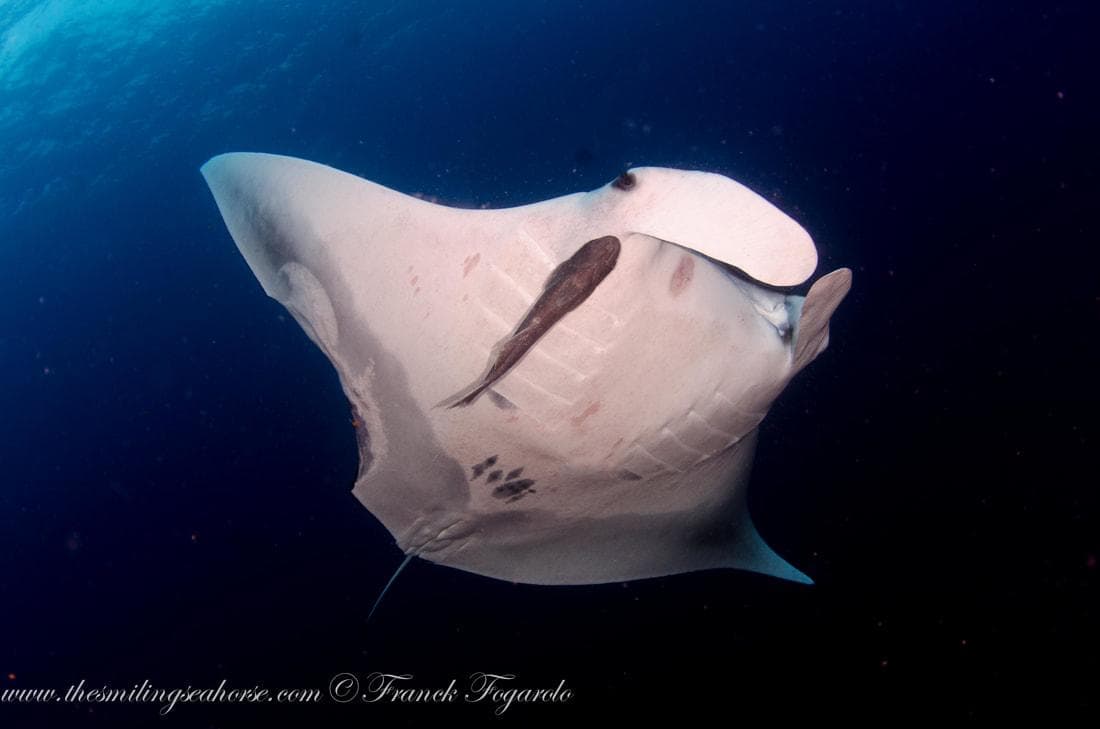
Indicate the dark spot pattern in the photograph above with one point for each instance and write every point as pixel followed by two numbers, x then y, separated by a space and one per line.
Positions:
pixel 513 488
pixel 481 467
pixel 627 475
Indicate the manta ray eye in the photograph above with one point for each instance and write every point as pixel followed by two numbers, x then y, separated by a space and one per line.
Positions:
pixel 625 181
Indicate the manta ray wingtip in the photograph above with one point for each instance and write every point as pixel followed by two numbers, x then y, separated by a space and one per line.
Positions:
pixel 800 577
pixel 755 555
pixel 773 565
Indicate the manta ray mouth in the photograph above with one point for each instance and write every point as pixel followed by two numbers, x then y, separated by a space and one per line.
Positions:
pixel 737 273
pixel 780 306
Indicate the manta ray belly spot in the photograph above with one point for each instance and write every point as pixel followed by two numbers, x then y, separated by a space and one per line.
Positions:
pixel 566 288
pixel 681 277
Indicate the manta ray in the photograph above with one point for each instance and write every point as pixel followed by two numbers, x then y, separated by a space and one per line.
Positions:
pixel 560 393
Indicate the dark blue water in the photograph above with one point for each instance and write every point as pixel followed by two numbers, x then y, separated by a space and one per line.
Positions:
pixel 176 457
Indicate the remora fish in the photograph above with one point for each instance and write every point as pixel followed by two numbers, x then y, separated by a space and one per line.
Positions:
pixel 567 287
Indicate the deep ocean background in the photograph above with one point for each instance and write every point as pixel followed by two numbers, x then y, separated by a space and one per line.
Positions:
pixel 176 458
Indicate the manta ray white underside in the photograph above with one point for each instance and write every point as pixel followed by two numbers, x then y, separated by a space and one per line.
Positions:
pixel 618 443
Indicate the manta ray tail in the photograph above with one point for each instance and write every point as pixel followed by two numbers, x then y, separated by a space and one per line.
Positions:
pixel 389 584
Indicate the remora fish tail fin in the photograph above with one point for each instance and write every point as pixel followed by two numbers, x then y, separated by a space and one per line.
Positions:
pixel 465 397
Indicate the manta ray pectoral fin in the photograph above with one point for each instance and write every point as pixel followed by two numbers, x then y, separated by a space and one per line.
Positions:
pixel 811 316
